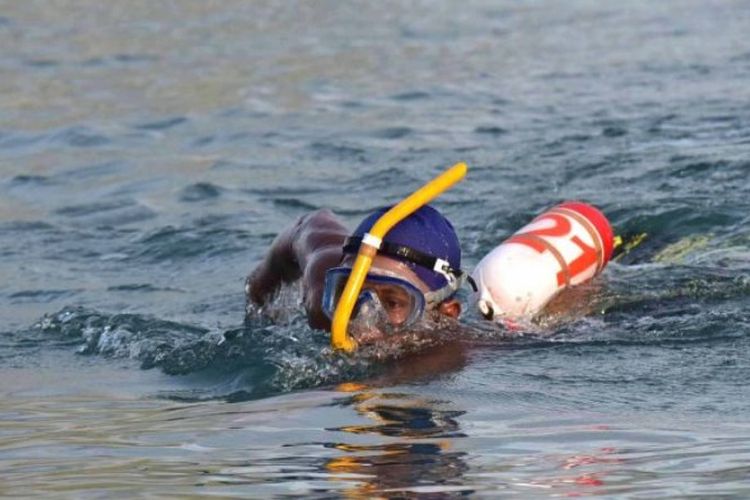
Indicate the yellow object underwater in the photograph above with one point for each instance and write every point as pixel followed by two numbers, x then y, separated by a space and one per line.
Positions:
pixel 624 244
pixel 371 242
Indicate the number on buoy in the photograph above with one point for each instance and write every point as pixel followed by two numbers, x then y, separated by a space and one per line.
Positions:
pixel 567 245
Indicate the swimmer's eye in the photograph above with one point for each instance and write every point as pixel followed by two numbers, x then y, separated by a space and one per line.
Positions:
pixel 393 301
pixel 395 304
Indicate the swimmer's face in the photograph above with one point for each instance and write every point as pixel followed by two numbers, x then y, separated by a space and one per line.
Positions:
pixel 395 301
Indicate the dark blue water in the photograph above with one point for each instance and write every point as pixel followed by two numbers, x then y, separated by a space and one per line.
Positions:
pixel 151 151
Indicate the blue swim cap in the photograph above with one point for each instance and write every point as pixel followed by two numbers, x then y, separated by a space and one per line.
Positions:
pixel 427 231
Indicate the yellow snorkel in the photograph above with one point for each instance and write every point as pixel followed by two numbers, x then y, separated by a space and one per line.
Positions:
pixel 371 241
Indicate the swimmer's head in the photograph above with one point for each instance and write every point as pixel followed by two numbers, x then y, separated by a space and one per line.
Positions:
pixel 413 278
pixel 425 231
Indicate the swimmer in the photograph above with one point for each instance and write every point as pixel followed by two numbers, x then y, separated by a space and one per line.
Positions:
pixel 412 282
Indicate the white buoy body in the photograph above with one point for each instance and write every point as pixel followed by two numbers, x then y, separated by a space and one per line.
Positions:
pixel 566 245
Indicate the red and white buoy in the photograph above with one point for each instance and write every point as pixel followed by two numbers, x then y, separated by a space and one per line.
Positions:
pixel 567 245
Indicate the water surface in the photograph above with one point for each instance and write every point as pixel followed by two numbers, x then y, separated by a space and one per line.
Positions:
pixel 150 152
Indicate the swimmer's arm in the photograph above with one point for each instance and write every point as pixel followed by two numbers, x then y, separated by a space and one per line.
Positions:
pixel 305 250
pixel 279 266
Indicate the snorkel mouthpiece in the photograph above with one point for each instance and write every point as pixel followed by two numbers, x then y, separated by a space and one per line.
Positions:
pixel 371 242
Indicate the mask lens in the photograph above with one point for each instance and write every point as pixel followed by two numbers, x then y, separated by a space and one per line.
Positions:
pixel 400 302
pixel 397 303
pixel 369 314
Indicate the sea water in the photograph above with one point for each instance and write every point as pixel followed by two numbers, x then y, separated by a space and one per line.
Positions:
pixel 150 152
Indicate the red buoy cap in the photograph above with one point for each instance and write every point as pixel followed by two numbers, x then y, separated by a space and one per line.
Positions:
pixel 599 221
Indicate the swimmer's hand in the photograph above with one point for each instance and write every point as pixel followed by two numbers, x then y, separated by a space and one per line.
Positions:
pixel 305 251
pixel 278 267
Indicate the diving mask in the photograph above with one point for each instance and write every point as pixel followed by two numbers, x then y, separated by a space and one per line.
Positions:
pixel 385 298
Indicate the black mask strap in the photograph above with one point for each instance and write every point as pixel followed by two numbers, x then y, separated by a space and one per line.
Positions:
pixel 352 244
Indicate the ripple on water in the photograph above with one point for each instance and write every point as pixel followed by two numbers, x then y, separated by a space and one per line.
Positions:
pixel 144 338
pixel 295 204
pixel 337 152
pixel 200 191
pixel 671 222
pixel 10 141
pixel 249 362
pixel 120 59
pixel 415 95
pixel 41 63
pixel 614 131
pixel 640 391
pixel 80 137
pixel 176 244
pixel 491 130
pixel 166 123
pixel 40 295
pixel 107 213
pixel 392 133
pixel 384 178
pixel 30 180
pixel 92 171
